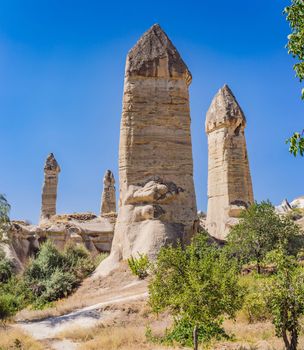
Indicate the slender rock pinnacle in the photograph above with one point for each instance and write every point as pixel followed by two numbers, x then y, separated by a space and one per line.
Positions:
pixel 108 201
pixel 229 179
pixel 49 190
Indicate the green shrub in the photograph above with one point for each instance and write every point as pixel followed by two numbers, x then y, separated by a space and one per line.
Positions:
pixel 53 275
pixel 6 268
pixel 198 285
pixel 139 266
pixel 255 307
pixel 59 285
pixel 7 306
pixel 285 298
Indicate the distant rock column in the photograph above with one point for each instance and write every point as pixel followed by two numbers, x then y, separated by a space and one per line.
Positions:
pixel 108 201
pixel 49 190
pixel 229 179
pixel 157 197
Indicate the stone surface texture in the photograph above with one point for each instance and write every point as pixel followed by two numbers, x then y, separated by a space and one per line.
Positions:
pixel 157 202
pixel 108 200
pixel 229 179
pixel 49 190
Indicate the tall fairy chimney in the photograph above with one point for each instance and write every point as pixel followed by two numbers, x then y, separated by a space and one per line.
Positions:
pixel 157 203
pixel 229 179
pixel 49 189
pixel 108 200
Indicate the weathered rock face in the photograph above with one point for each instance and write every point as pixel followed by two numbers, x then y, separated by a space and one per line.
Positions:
pixel 49 190
pixel 157 198
pixel 95 233
pixel 108 200
pixel 229 179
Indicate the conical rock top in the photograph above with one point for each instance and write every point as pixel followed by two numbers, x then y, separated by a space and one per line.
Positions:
pixel 51 164
pixel 154 55
pixel 224 110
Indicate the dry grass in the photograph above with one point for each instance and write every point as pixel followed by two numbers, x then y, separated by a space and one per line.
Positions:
pixel 114 338
pixel 13 338
pixel 131 335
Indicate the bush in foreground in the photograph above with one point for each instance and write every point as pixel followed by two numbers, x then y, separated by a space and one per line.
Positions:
pixel 53 275
pixel 198 286
pixel 139 266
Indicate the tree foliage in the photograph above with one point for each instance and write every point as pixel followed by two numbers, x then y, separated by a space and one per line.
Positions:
pixel 4 216
pixel 285 297
pixel 53 274
pixel 261 230
pixel 295 16
pixel 198 286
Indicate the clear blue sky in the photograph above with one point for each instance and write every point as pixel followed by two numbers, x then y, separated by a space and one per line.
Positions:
pixel 61 83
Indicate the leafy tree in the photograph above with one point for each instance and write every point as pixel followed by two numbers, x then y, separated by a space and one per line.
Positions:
pixel 198 286
pixel 295 17
pixel 261 230
pixel 296 143
pixel 4 218
pixel 285 298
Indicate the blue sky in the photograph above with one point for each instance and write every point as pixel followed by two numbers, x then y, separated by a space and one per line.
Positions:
pixel 61 83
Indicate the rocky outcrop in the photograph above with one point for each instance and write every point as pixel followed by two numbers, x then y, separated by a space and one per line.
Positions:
pixel 229 179
pixel 157 198
pixel 108 200
pixel 284 207
pixel 298 203
pixel 49 190
pixel 95 233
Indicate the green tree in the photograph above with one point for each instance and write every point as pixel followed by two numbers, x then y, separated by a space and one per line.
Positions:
pixel 4 216
pixel 261 230
pixel 285 298
pixel 198 286
pixel 295 17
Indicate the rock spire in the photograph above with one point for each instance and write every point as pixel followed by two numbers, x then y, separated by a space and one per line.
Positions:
pixel 157 202
pixel 49 190
pixel 229 179
pixel 108 200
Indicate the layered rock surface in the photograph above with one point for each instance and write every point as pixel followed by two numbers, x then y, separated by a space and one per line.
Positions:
pixel 229 179
pixel 157 197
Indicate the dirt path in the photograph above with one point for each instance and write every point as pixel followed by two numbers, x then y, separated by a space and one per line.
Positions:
pixel 86 317
pixel 86 308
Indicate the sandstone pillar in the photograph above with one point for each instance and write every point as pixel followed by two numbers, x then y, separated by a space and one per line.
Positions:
pixel 229 180
pixel 157 202
pixel 108 201
pixel 49 190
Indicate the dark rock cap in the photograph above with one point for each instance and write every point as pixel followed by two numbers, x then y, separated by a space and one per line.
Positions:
pixel 51 164
pixel 224 110
pixel 109 178
pixel 154 55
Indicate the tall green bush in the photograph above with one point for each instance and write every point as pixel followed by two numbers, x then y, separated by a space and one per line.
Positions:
pixel 198 286
pixel 261 230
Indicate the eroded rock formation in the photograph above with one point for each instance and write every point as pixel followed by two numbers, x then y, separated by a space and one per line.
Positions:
pixel 157 197
pixel 229 179
pixel 95 233
pixel 108 200
pixel 49 190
